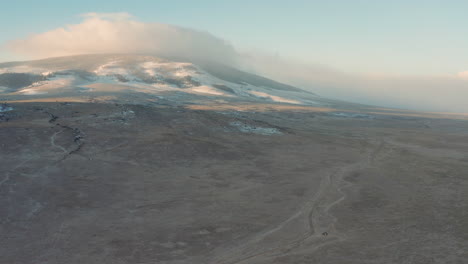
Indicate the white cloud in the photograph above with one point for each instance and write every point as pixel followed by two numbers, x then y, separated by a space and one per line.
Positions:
pixel 118 33
pixel 110 16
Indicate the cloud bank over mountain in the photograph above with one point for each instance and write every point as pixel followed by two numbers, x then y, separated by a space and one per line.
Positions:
pixel 443 93
pixel 121 33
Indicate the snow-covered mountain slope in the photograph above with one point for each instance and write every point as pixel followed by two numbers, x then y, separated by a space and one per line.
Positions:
pixel 137 77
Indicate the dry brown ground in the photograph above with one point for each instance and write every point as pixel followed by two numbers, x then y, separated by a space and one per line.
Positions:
pixel 114 183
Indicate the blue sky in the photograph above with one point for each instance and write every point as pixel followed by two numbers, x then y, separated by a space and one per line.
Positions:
pixel 389 37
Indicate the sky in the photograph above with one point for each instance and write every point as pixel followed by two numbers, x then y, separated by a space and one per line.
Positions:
pixel 360 50
pixel 398 36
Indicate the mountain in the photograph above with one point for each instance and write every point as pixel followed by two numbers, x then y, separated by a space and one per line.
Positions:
pixel 139 78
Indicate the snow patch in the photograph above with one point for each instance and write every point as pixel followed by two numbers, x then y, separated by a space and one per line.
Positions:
pixel 5 108
pixel 31 91
pixel 47 73
pixel 245 128
pixel 207 90
pixel 43 87
pixel 175 69
pixel 128 113
pixel 109 68
pixel 274 98
pixel 352 115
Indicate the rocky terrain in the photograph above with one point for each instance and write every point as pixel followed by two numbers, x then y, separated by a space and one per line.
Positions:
pixel 106 164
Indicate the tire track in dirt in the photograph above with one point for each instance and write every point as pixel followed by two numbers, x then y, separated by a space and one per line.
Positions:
pixel 321 223
pixel 52 141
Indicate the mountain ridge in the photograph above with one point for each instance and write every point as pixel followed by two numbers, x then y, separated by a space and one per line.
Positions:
pixel 142 73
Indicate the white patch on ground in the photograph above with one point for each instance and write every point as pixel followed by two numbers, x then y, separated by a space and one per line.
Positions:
pixel 149 68
pixel 106 87
pixel 31 91
pixel 5 108
pixel 352 115
pixel 131 86
pixel 44 87
pixel 128 113
pixel 208 90
pixel 274 98
pixel 46 73
pixel 245 128
pixel 109 69
pixel 169 69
